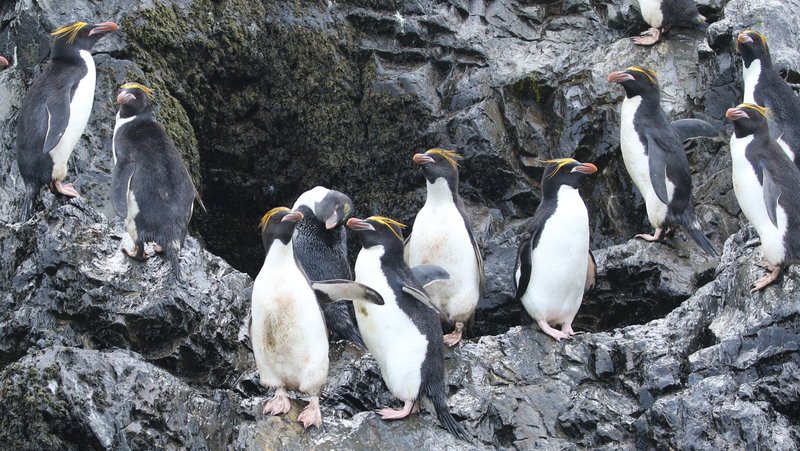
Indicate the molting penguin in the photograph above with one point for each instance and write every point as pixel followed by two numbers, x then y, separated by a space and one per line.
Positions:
pixel 654 155
pixel 320 244
pixel 150 186
pixel 554 265
pixel 763 85
pixel 55 111
pixel 404 335
pixel 767 187
pixel 662 15
pixel 290 344
pixel 443 236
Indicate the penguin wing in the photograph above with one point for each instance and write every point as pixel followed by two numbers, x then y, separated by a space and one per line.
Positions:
pixel 479 259
pixel 421 296
pixel 524 265
pixel 591 273
pixel 693 128
pixel 57 106
pixel 339 289
pixel 121 184
pixel 772 192
pixel 427 274
pixel 657 161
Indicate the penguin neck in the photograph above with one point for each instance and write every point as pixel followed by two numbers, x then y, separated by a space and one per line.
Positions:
pixel 279 253
pixel 551 192
pixel 439 192
pixel 751 74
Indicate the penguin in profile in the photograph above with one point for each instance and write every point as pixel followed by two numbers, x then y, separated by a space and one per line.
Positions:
pixel 443 236
pixel 3 62
pixel 554 264
pixel 150 186
pixel 764 86
pixel 652 149
pixel 767 187
pixel 404 335
pixel 290 344
pixel 320 244
pixel 662 15
pixel 55 111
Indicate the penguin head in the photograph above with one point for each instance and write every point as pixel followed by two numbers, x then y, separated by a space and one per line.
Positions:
pixel 564 171
pixel 752 45
pixel 3 63
pixel 637 81
pixel 278 224
pixel 70 39
pixel 134 99
pixel 330 207
pixel 439 163
pixel 748 118
pixel 377 231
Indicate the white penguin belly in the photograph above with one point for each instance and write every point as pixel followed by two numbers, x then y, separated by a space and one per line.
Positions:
pixel 651 12
pixel 637 163
pixel 287 330
pixel 390 335
pixel 750 76
pixel 440 237
pixel 133 210
pixel 559 262
pixel 750 195
pixel 80 110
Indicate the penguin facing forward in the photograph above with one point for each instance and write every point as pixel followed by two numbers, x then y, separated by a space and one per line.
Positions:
pixel 150 186
pixel 320 244
pixel 654 156
pixel 290 344
pixel 767 187
pixel 404 335
pixel 443 236
pixel 662 15
pixel 554 264
pixel 55 111
pixel 764 86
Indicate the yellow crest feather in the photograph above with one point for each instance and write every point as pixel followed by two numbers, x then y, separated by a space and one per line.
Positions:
pixel 759 35
pixel 449 155
pixel 560 162
pixel 268 215
pixel 651 74
pixel 390 223
pixel 69 30
pixel 764 111
pixel 141 87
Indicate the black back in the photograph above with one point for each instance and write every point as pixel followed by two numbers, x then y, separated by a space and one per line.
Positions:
pixel 681 13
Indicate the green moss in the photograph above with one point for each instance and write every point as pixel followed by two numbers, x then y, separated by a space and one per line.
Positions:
pixel 528 88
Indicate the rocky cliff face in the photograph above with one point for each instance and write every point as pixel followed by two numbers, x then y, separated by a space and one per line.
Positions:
pixel 268 99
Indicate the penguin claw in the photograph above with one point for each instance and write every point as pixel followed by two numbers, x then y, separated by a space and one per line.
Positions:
pixel 66 189
pixel 311 415
pixel 136 254
pixel 454 337
pixel 555 333
pixel 279 404
pixel 647 38
pixel 387 413
pixel 761 283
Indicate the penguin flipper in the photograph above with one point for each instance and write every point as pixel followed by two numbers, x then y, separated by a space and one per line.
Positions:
pixel 524 266
pixel 772 192
pixel 341 289
pixel 694 128
pixel 57 106
pixel 427 274
pixel 657 162
pixel 421 296
pixel 120 185
pixel 479 258
pixel 591 273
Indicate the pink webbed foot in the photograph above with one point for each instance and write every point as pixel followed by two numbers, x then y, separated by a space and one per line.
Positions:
pixel 775 272
pixel 454 337
pixel 555 333
pixel 655 237
pixel 66 189
pixel 157 249
pixel 279 404
pixel 387 413
pixel 567 329
pixel 311 415
pixel 137 253
pixel 649 37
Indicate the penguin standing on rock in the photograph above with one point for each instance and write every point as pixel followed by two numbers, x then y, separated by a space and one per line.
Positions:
pixel 150 186
pixel 654 156
pixel 404 335
pixel 320 243
pixel 290 344
pixel 662 15
pixel 764 86
pixel 554 264
pixel 443 236
pixel 767 187
pixel 55 111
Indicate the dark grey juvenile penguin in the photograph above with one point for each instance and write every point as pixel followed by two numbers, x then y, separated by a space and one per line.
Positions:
pixel 290 344
pixel 404 335
pixel 654 156
pixel 443 236
pixel 55 111
pixel 764 86
pixel 767 187
pixel 554 265
pixel 150 186
pixel 662 15
pixel 320 244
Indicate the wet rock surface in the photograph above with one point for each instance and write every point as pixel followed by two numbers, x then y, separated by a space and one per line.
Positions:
pixel 266 100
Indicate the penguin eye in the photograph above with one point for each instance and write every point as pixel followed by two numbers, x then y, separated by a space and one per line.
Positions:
pixel 84 34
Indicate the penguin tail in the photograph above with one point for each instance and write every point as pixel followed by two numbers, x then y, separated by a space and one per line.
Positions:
pixel 439 402
pixel 173 252
pixel 339 322
pixel 27 203
pixel 692 226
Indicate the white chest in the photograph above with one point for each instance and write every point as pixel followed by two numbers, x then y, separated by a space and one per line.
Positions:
pixel 750 76
pixel 80 110
pixel 651 12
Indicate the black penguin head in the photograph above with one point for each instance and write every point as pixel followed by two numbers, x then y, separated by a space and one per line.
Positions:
pixel 3 63
pixel 330 207
pixel 70 39
pixel 637 81
pixel 134 99
pixel 564 171
pixel 752 45
pixel 439 163
pixel 748 119
pixel 378 230
pixel 278 224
